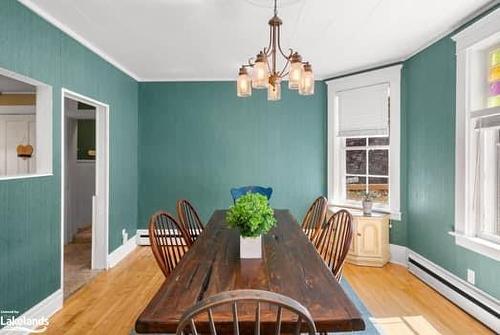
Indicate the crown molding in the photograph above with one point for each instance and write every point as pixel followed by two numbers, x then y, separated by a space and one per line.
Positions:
pixel 361 69
pixel 71 33
pixel 186 79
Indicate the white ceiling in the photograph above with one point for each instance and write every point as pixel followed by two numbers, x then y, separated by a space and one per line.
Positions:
pixel 208 39
pixel 9 85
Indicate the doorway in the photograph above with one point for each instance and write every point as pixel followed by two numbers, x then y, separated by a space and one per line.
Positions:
pixel 84 189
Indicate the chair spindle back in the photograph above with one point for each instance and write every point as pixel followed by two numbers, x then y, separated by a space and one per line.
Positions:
pixel 231 300
pixel 315 217
pixel 333 241
pixel 169 241
pixel 190 219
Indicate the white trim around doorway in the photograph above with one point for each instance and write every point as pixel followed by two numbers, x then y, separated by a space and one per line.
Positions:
pixel 100 228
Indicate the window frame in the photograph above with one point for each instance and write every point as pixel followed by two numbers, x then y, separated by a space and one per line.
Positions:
pixel 469 106
pixel 335 146
pixel 43 128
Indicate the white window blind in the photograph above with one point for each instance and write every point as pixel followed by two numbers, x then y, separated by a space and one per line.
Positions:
pixel 364 111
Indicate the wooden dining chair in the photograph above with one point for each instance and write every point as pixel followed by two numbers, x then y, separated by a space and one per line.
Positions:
pixel 191 319
pixel 169 241
pixel 315 217
pixel 189 218
pixel 333 241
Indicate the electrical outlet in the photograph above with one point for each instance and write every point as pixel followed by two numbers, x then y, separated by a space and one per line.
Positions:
pixel 471 276
pixel 124 236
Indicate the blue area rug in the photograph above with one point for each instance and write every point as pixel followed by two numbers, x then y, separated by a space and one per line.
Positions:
pixel 370 328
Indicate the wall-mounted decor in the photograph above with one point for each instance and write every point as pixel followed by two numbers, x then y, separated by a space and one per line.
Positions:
pixel 24 151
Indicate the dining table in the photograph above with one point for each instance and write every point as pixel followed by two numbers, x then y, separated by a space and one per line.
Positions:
pixel 290 265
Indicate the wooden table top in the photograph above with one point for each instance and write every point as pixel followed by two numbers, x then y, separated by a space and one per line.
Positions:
pixel 290 265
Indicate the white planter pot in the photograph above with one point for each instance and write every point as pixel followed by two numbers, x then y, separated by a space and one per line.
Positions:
pixel 367 207
pixel 250 247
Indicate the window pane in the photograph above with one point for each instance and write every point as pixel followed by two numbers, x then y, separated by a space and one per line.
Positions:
pixel 379 162
pixel 379 187
pixel 355 142
pixel 355 187
pixel 489 196
pixel 355 162
pixel 378 141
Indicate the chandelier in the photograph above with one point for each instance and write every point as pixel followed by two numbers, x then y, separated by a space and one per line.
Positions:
pixel 265 72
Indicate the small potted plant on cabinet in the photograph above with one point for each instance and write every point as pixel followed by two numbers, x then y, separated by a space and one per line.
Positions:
pixel 253 216
pixel 368 203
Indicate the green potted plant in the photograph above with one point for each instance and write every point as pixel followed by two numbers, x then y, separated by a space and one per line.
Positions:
pixel 253 216
pixel 368 203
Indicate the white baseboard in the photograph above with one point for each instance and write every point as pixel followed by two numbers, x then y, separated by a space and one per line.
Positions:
pixel 461 293
pixel 44 309
pixel 121 252
pixel 143 237
pixel 399 255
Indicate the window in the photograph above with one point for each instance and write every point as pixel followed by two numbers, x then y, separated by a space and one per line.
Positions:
pixel 484 136
pixel 25 127
pixel 367 168
pixel 477 175
pixel 363 139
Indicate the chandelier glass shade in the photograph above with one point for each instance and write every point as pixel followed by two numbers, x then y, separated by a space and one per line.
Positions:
pixel 266 73
pixel 244 83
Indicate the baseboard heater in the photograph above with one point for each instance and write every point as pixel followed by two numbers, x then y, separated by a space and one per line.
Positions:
pixel 143 235
pixel 475 302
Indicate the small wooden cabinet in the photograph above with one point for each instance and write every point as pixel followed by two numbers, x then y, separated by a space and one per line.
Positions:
pixel 370 243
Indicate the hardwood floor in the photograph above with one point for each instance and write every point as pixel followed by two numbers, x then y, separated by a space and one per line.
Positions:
pixel 401 304
pixel 77 262
pixel 113 300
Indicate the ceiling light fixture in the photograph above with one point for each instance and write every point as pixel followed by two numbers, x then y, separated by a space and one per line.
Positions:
pixel 265 72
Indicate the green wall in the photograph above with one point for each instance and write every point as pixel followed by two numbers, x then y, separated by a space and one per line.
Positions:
pixel 429 108
pixel 30 208
pixel 197 140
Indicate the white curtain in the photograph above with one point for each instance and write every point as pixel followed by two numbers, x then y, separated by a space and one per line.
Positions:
pixel 487 171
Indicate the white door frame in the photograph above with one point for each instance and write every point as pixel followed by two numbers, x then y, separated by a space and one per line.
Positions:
pixel 100 203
